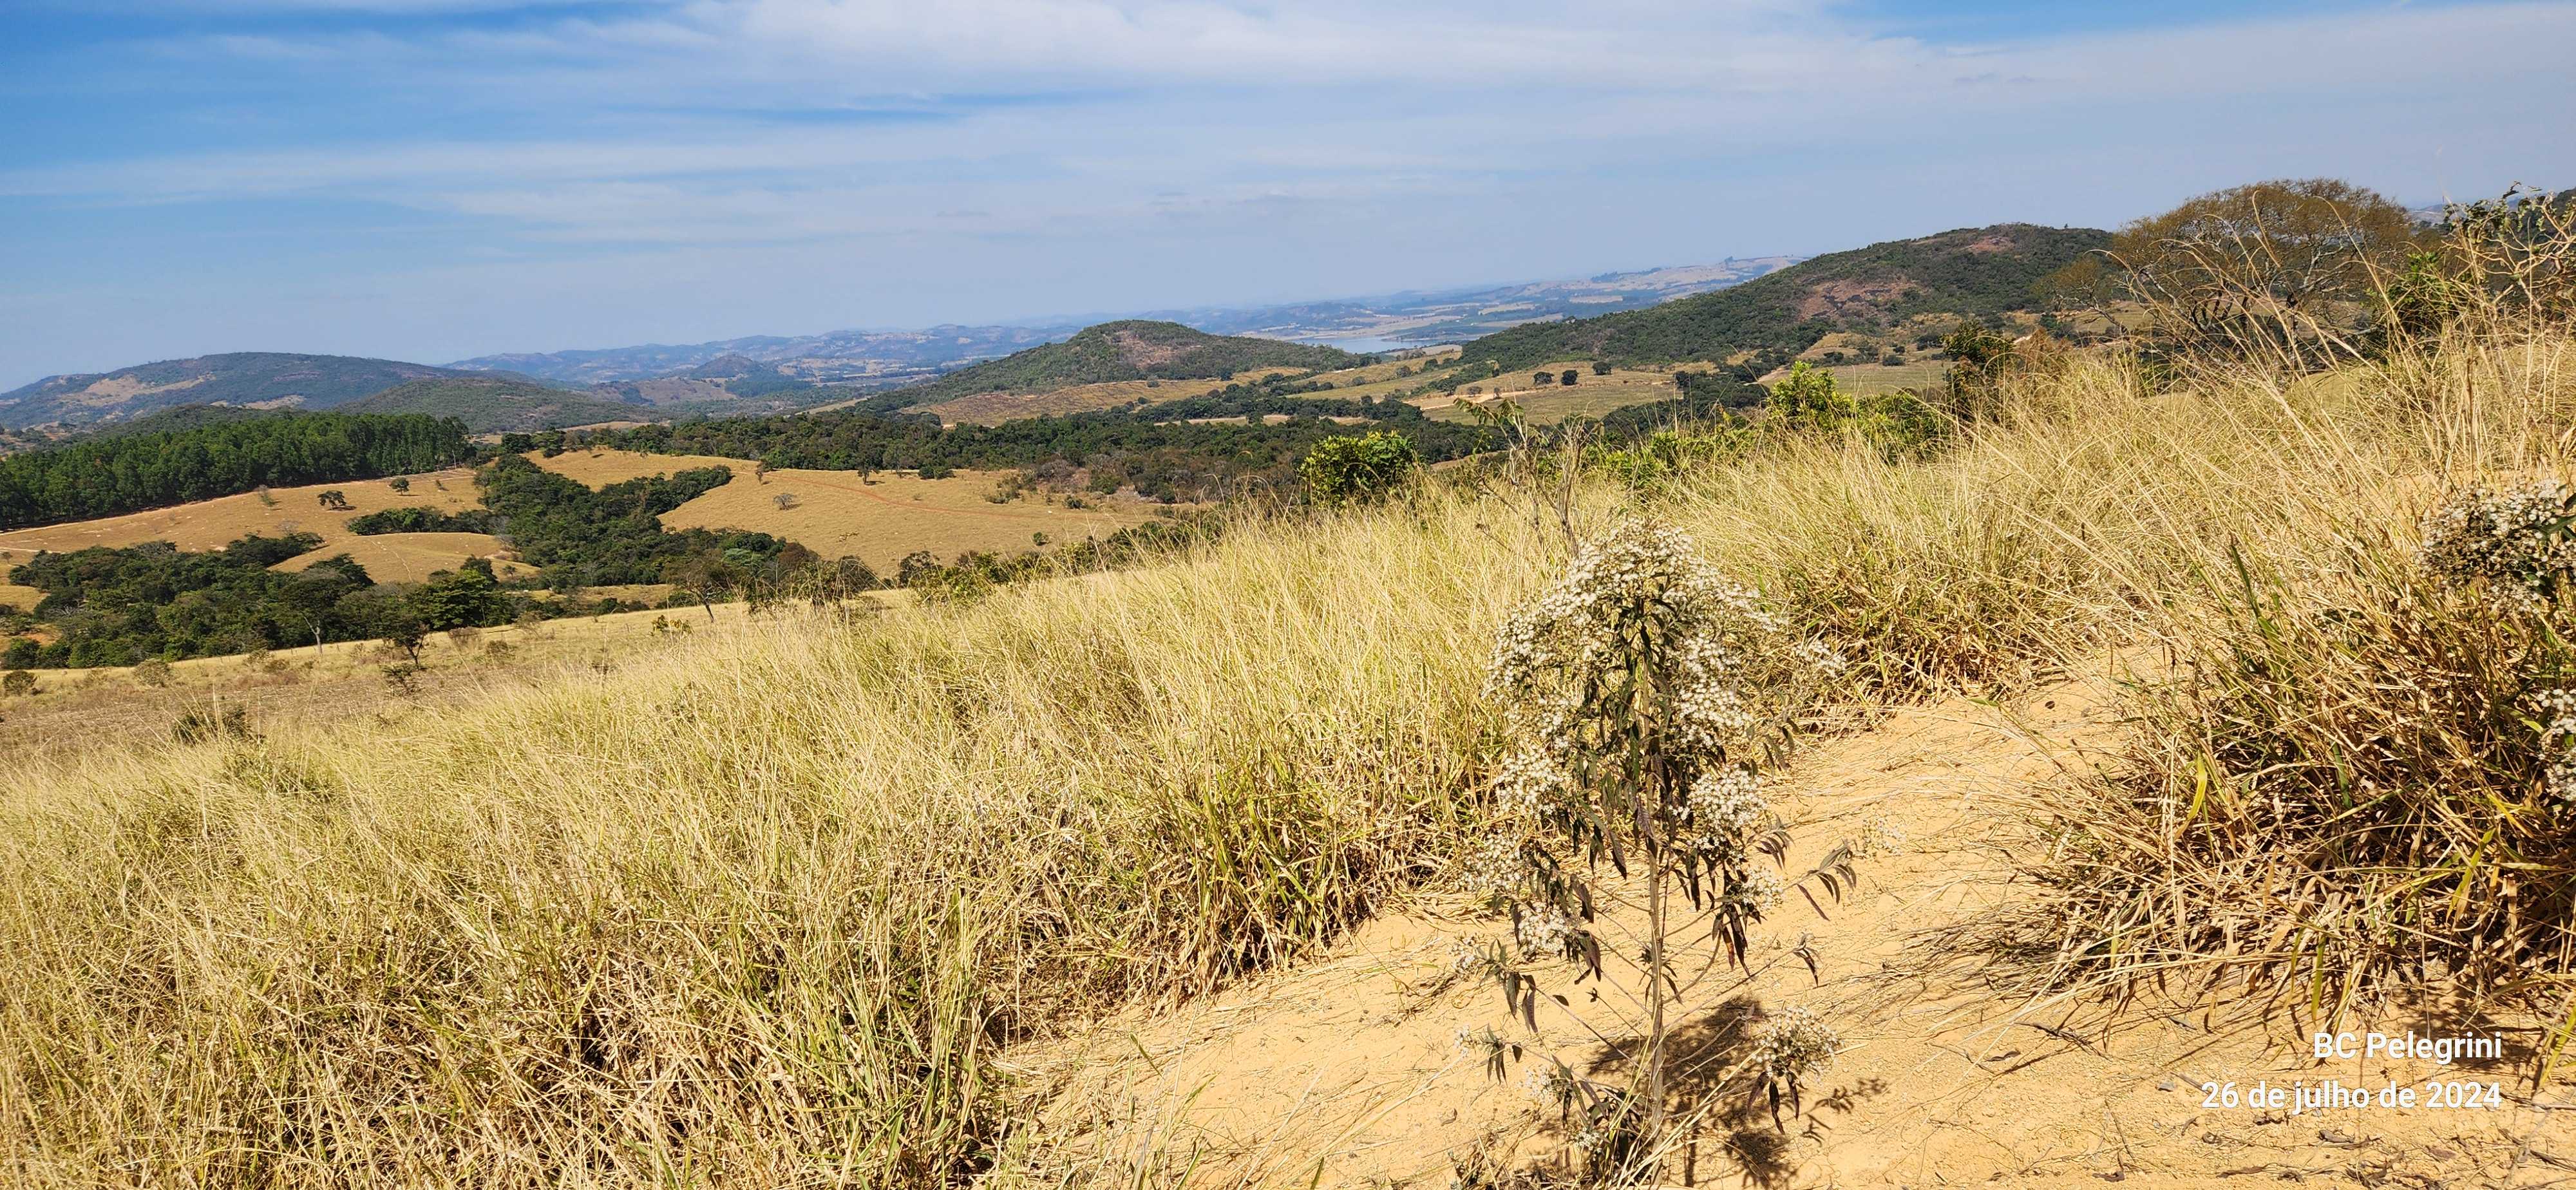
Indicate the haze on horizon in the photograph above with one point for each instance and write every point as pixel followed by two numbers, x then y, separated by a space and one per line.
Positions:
pixel 435 179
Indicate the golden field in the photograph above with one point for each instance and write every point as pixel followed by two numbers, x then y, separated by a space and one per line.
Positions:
pixel 877 520
pixel 213 524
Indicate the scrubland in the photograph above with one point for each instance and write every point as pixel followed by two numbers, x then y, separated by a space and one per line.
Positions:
pixel 764 907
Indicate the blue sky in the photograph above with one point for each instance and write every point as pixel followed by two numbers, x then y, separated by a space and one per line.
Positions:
pixel 434 179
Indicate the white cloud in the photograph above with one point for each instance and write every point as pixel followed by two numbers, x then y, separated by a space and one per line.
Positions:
pixel 1220 145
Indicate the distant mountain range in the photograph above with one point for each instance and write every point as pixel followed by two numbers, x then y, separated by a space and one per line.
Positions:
pixel 766 374
pixel 247 379
pixel 879 359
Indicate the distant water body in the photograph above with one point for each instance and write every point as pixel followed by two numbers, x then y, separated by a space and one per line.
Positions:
pixel 1368 344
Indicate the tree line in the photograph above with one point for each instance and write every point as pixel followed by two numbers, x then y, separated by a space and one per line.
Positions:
pixel 105 476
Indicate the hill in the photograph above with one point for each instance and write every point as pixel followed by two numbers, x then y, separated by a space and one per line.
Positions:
pixel 1131 350
pixel 249 379
pixel 488 404
pixel 841 356
pixel 1971 272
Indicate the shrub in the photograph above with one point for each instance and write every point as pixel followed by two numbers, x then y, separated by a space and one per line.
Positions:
pixel 2366 779
pixel 1631 688
pixel 202 725
pixel 153 672
pixel 1348 469
pixel 18 682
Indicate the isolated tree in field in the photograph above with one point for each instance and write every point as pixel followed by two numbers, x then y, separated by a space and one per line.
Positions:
pixel 784 500
pixel 702 577
pixel 403 630
pixel 1542 379
pixel 400 483
pixel 18 684
pixel 1566 378
pixel 1346 469
pixel 1600 367
pixel 2281 267
pixel 335 500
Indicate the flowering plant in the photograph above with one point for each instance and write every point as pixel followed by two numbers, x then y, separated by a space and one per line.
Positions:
pixel 1640 754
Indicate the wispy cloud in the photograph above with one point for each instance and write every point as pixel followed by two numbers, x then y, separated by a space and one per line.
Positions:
pixel 1221 150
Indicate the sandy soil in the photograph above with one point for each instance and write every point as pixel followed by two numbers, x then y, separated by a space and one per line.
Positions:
pixel 1350 1071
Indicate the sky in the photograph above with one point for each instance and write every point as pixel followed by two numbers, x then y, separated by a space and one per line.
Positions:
pixel 436 179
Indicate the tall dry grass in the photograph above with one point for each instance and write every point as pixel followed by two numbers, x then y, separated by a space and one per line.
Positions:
pixel 759 911
pixel 756 912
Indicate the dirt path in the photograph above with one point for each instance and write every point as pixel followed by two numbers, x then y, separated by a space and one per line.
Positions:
pixel 1350 1071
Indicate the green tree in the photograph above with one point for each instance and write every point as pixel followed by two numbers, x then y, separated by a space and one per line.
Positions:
pixel 702 576
pixel 1566 378
pixel 466 597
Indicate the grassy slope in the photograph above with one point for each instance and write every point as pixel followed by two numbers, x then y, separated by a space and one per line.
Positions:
pixel 760 905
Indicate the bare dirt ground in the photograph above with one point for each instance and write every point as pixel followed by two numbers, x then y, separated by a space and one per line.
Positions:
pixel 1350 1071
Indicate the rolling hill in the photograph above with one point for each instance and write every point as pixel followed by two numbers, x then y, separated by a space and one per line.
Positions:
pixel 881 356
pixel 1971 272
pixel 249 379
pixel 487 404
pixel 1129 350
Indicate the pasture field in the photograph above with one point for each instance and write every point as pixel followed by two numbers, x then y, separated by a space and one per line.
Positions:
pixel 878 520
pixel 213 524
pixel 1591 395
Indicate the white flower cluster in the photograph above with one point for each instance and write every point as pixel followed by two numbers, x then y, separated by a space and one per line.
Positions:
pixel 1529 782
pixel 1495 867
pixel 1879 835
pixel 1550 1084
pixel 1543 931
pixel 1824 659
pixel 1726 807
pixel 2558 736
pixel 1640 580
pixel 1756 890
pixel 1796 1044
pixel 2519 541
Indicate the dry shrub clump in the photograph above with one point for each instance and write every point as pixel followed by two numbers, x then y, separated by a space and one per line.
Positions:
pixel 2357 780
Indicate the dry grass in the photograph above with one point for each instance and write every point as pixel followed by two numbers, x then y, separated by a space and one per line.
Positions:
pixel 755 909
pixel 877 520
pixel 754 905
pixel 1591 395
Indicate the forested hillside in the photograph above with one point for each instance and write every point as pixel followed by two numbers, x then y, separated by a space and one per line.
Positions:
pixel 1973 273
pixel 124 473
pixel 1159 455
pixel 488 404
pixel 268 379
pixel 1131 350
